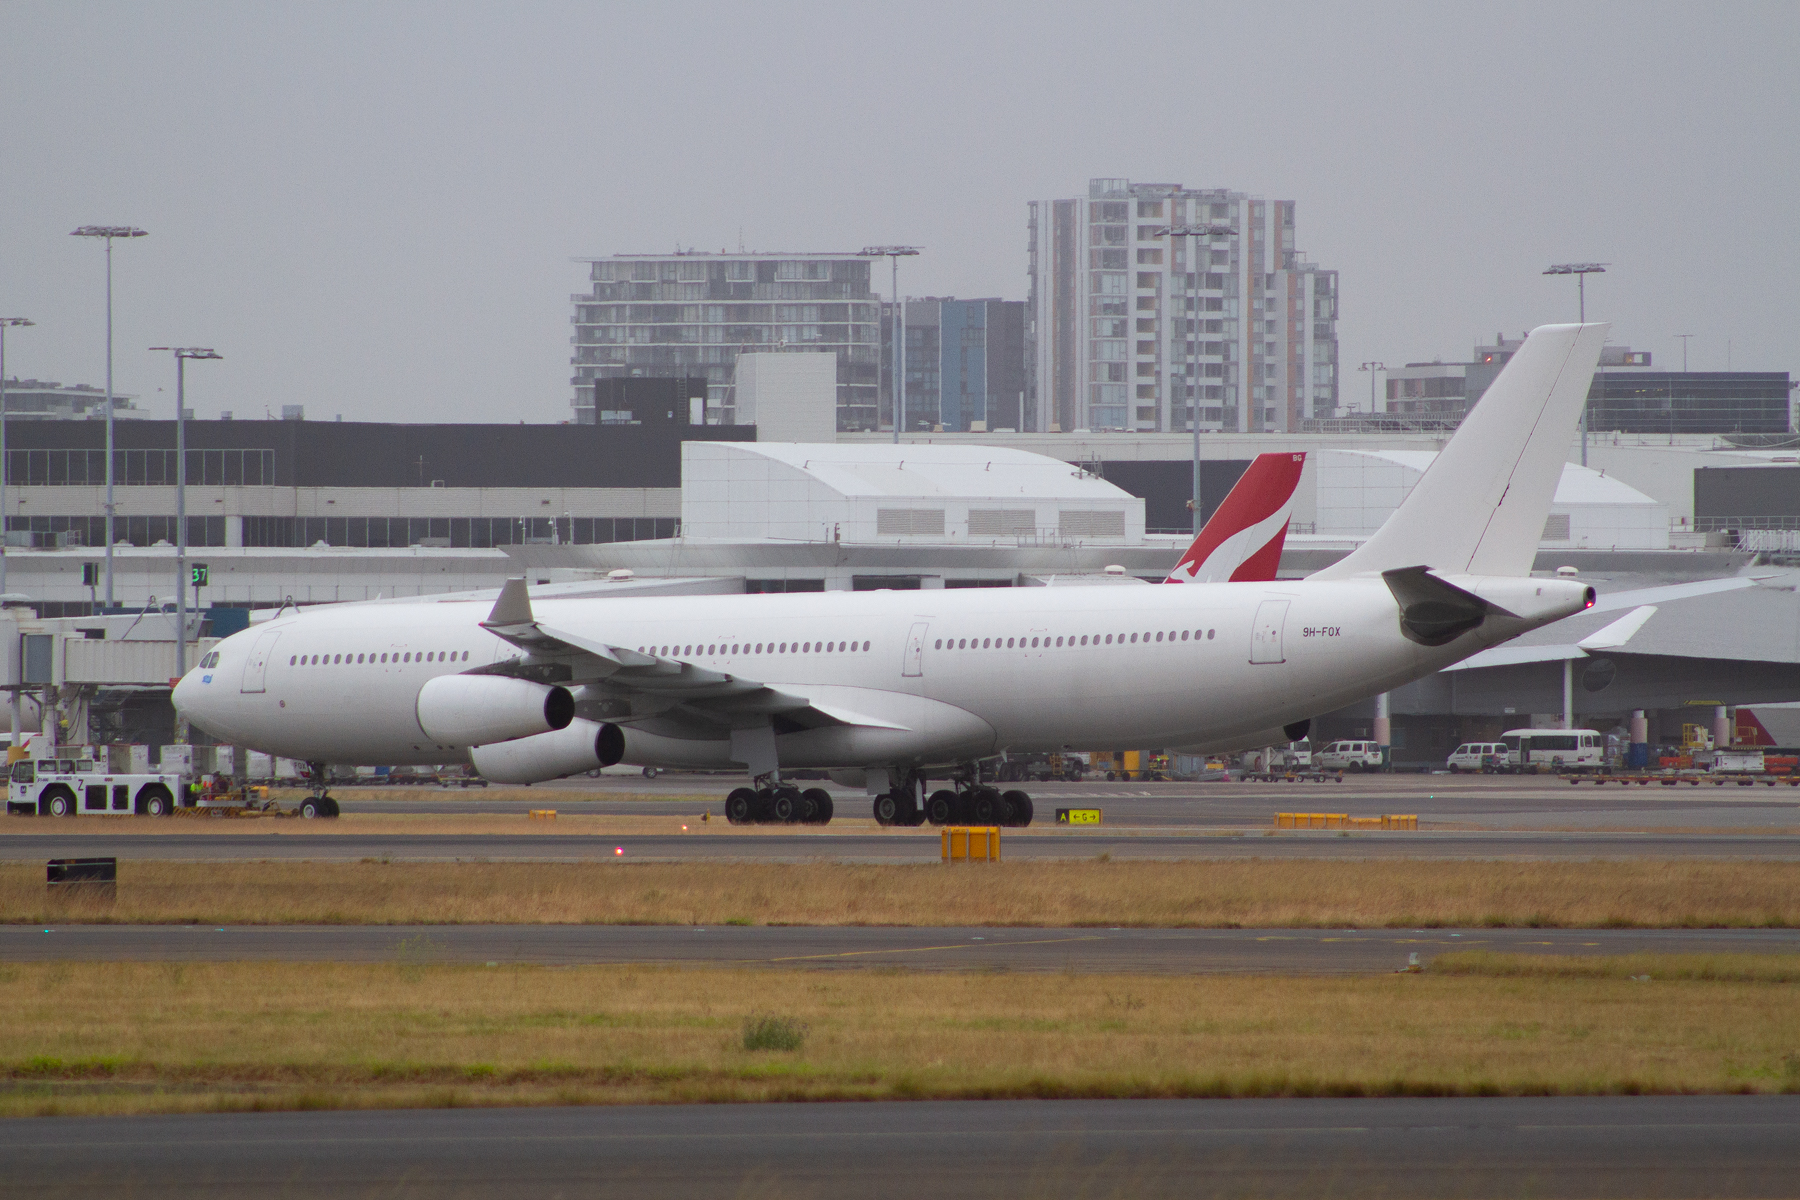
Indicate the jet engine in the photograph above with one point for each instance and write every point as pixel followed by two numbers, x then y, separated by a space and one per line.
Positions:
pixel 473 710
pixel 581 746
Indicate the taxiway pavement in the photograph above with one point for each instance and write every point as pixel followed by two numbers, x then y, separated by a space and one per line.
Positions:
pixel 1678 1146
pixel 1156 951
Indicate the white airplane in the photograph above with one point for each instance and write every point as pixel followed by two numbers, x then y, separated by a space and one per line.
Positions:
pixel 892 689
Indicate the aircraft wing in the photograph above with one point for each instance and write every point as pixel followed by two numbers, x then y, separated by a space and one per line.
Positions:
pixel 661 695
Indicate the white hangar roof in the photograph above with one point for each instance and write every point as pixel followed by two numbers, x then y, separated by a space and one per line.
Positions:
pixel 867 493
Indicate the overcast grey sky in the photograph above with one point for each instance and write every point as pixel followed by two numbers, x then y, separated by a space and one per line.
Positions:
pixel 372 208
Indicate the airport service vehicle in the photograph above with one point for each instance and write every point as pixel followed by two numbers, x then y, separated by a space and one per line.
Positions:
pixel 1348 756
pixel 894 689
pixel 67 787
pixel 1478 756
pixel 1558 749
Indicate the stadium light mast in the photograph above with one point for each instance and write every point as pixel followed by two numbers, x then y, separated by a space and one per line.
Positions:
pixel 1581 271
pixel 109 232
pixel 1194 231
pixel 182 354
pixel 895 331
pixel 5 324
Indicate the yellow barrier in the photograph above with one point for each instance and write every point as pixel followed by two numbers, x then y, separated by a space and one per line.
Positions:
pixel 975 843
pixel 543 814
pixel 1344 821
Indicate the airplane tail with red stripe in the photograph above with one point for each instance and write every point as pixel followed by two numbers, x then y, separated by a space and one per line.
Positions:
pixel 1242 542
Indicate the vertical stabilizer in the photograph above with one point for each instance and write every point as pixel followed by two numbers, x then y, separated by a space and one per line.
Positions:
pixel 1480 507
pixel 1243 539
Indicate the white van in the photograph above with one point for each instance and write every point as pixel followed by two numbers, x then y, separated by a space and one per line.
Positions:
pixel 1348 756
pixel 1559 749
pixel 1479 756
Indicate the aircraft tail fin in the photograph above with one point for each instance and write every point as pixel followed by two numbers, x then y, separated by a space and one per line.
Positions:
pixel 1242 540
pixel 1480 507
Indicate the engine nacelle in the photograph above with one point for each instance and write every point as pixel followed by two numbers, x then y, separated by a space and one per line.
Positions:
pixel 473 710
pixel 582 746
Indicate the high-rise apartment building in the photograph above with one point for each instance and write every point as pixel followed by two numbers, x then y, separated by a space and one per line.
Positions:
pixel 965 364
pixel 1132 329
pixel 691 314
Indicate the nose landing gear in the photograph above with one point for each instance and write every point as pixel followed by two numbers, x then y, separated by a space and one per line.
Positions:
pixel 320 803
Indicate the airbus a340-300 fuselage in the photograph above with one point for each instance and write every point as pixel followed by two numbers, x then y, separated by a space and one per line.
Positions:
pixel 935 677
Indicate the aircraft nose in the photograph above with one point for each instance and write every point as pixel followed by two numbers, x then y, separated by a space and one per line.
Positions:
pixel 187 693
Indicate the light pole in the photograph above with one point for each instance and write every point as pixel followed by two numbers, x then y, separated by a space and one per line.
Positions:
pixel 182 354
pixel 895 331
pixel 1684 341
pixel 1372 368
pixel 1194 231
pixel 1580 271
pixel 109 232
pixel 5 324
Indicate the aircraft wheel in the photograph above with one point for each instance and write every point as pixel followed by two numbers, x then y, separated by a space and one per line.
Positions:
pixel 887 809
pixel 907 813
pixel 59 802
pixel 785 805
pixel 986 806
pixel 331 806
pixel 740 806
pixel 941 807
pixel 312 806
pixel 815 806
pixel 1018 808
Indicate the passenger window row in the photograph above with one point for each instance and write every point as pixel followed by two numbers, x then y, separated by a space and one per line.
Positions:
pixel 1094 639
pixel 728 649
pixel 333 660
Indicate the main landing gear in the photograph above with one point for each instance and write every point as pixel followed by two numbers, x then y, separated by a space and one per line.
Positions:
pixel 778 804
pixel 970 804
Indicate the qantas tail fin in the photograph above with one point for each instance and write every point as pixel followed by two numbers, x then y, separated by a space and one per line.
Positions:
pixel 1480 507
pixel 1242 542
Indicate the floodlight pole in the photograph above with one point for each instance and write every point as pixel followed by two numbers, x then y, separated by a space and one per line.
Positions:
pixel 1194 231
pixel 5 324
pixel 896 331
pixel 1580 271
pixel 1373 368
pixel 182 354
pixel 109 232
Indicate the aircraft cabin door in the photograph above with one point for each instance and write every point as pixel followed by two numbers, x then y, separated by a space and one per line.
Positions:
pixel 913 665
pixel 1265 636
pixel 258 667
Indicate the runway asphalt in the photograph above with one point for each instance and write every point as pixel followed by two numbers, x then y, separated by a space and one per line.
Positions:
pixel 290 841
pixel 1157 951
pixel 1715 1146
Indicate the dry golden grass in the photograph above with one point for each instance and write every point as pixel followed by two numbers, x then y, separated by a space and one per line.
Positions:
pixel 157 1037
pixel 1706 968
pixel 1149 894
